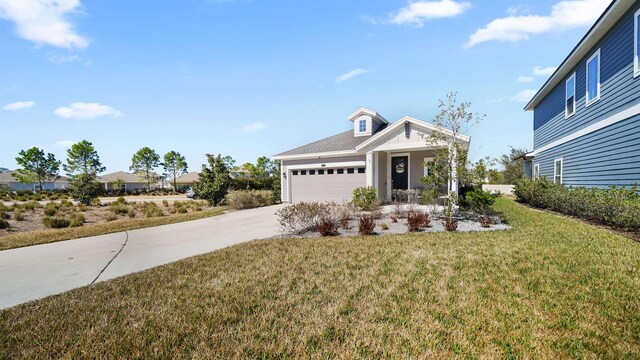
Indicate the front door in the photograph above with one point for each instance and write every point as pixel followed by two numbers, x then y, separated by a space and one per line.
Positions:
pixel 400 172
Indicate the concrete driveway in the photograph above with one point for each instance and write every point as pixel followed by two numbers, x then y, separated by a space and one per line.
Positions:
pixel 34 272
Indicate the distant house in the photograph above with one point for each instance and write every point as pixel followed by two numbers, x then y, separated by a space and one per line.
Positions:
pixel 586 117
pixel 185 181
pixel 390 157
pixel 130 181
pixel 8 179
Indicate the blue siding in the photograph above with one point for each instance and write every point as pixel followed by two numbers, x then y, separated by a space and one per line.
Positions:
pixel 619 89
pixel 609 156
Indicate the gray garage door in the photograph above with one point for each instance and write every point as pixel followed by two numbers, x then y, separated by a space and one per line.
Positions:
pixel 326 185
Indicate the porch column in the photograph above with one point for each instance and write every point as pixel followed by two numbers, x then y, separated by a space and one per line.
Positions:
pixel 369 169
pixel 454 173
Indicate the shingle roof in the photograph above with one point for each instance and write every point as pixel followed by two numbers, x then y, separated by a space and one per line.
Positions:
pixel 340 142
pixel 8 177
pixel 125 176
pixel 188 178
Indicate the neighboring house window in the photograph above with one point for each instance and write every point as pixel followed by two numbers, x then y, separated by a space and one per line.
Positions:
pixel 570 96
pixel 636 45
pixel 593 78
pixel 557 171
pixel 536 171
pixel 363 125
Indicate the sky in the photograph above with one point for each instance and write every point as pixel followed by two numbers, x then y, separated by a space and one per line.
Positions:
pixel 249 78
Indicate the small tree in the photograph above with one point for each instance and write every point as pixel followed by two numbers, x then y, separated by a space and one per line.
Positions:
pixel 117 184
pixel 455 118
pixel 174 165
pixel 214 180
pixel 83 165
pixel 37 167
pixel 143 162
pixel 513 165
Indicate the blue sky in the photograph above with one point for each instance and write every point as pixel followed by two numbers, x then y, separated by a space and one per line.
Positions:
pixel 251 78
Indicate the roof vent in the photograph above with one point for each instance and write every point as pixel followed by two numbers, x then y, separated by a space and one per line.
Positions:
pixel 407 129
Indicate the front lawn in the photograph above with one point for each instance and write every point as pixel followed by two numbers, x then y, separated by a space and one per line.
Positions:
pixel 550 287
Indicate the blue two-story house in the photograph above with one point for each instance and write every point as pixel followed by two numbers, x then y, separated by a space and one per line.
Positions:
pixel 586 117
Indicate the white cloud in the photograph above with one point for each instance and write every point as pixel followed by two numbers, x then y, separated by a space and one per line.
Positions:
pixel 18 105
pixel 525 79
pixel 543 71
pixel 351 74
pixel 82 110
pixel 65 143
pixel 256 126
pixel 61 59
pixel 524 95
pixel 44 21
pixel 564 15
pixel 418 12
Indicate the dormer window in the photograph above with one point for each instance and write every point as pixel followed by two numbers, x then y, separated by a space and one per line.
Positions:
pixel 362 125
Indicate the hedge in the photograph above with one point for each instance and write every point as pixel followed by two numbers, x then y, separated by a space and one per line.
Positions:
pixel 615 206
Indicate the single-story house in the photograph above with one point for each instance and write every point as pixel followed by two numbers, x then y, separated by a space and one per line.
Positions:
pixel 374 152
pixel 586 116
pixel 130 181
pixel 185 181
pixel 8 179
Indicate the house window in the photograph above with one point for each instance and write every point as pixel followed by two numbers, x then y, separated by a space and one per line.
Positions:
pixel 570 97
pixel 294 172
pixel 636 44
pixel 536 171
pixel 330 172
pixel 340 171
pixel 320 172
pixel 593 78
pixel 350 170
pixel 361 170
pixel 362 125
pixel 303 172
pixel 557 171
pixel 425 166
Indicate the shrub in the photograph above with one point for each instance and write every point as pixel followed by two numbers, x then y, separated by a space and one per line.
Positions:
pixel 367 225
pixel 4 215
pixel 384 226
pixel 152 210
pixel 50 209
pixel 182 210
pixel 345 214
pixel 302 216
pixel 327 227
pixel 417 220
pixel 365 198
pixel 96 202
pixel 131 213
pixel 246 199
pixel 55 222
pixel 479 201
pixel 394 218
pixel 450 224
pixel 76 219
pixel 485 221
pixel 615 206
pixel 110 217
pixel 165 203
pixel 28 206
pixel 121 200
pixel 18 215
pixel 4 224
pixel 119 208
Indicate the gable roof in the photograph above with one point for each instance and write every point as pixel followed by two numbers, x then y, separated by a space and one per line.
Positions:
pixel 188 178
pixel 344 141
pixel 125 176
pixel 605 22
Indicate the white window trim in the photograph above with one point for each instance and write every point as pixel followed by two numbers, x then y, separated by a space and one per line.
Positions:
pixel 561 170
pixel 536 171
pixel 636 62
pixel 566 114
pixel 586 98
pixel 425 167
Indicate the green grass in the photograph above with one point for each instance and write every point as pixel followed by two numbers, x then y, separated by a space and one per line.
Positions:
pixel 551 287
pixel 52 235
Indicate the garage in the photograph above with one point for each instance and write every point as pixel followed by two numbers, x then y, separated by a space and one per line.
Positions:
pixel 326 185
